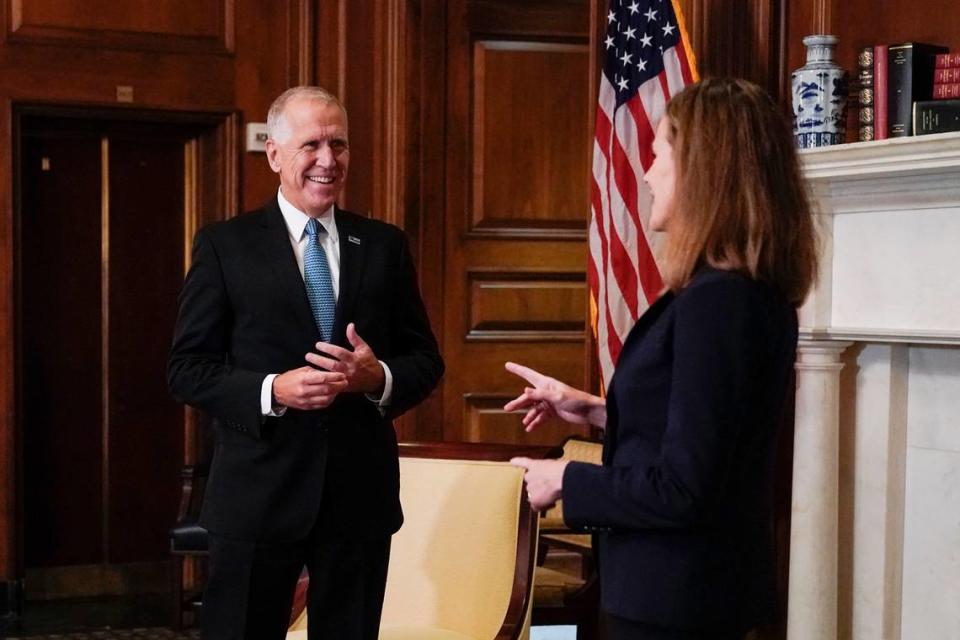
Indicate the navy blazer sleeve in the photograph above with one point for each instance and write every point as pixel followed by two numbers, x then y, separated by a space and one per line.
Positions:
pixel 714 350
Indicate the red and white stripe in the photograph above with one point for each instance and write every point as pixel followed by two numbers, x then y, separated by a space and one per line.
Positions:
pixel 622 273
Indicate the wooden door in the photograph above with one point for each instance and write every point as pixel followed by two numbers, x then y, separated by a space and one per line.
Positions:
pixel 517 176
pixel 103 218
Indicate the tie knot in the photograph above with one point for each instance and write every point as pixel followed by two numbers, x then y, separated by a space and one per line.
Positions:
pixel 314 227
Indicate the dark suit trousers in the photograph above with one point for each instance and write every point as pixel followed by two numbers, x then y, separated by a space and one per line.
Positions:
pixel 250 589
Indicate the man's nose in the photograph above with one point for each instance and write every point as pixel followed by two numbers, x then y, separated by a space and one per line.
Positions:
pixel 325 157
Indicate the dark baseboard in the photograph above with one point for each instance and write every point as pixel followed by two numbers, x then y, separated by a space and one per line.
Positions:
pixel 96 580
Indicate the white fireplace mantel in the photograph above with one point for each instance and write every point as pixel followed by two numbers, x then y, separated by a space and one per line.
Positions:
pixel 875 536
pixel 889 214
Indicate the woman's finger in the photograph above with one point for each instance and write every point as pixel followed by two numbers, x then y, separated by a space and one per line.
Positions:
pixel 540 419
pixel 530 416
pixel 518 403
pixel 530 375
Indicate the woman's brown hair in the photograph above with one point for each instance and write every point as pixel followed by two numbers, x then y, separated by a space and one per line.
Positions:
pixel 740 200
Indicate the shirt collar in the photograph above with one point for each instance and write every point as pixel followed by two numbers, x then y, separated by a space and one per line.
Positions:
pixel 296 220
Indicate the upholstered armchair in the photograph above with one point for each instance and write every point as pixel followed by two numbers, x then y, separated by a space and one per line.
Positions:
pixel 461 567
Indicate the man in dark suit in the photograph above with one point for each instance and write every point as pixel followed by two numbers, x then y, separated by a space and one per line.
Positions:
pixel 301 330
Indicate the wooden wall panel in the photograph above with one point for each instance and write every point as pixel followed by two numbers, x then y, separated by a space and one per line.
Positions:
pixel 736 38
pixel 33 73
pixel 369 54
pixel 484 420
pixel 425 198
pixel 529 152
pixel 268 37
pixel 859 24
pixel 535 19
pixel 348 41
pixel 517 174
pixel 174 25
pixel 526 306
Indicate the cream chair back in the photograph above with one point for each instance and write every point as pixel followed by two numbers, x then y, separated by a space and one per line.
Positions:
pixel 452 563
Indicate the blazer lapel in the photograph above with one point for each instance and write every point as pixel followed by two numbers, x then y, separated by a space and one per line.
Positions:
pixel 279 254
pixel 353 246
pixel 641 327
pixel 648 317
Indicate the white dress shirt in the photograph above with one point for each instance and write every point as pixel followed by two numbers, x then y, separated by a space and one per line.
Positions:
pixel 296 222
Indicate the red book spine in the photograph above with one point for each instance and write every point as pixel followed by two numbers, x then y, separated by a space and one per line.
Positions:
pixel 947 75
pixel 880 92
pixel 947 60
pixel 946 91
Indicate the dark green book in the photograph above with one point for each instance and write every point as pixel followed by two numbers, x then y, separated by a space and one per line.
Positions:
pixel 936 116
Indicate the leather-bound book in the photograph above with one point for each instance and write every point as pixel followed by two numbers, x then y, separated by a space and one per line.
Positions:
pixel 866 93
pixel 936 116
pixel 909 79
pixel 947 60
pixel 946 91
pixel 880 92
pixel 947 75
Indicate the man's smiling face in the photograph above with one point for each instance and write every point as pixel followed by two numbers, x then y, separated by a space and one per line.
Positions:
pixel 311 154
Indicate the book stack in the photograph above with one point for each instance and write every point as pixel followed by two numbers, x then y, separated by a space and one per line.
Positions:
pixel 946 76
pixel 942 113
pixel 910 69
pixel 902 75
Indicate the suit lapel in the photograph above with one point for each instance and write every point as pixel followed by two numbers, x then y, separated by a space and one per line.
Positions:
pixel 353 246
pixel 279 254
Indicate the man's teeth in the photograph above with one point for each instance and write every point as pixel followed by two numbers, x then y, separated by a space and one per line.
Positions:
pixel 321 179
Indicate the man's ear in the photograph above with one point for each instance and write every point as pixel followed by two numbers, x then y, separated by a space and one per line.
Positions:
pixel 272 155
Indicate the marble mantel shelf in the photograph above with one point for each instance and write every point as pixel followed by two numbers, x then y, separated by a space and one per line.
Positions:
pixel 884 157
pixel 889 215
pixel 919 172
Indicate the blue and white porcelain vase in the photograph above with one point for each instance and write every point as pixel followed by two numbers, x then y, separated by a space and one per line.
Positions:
pixel 819 95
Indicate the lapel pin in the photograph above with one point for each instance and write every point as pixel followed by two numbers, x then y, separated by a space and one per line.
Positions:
pixel 353 239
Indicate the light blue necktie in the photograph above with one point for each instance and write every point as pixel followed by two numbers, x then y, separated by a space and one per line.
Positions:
pixel 316 277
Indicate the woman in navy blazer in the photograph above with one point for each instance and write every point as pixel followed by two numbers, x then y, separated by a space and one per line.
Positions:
pixel 683 500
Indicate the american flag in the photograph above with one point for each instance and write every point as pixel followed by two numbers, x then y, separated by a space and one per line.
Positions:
pixel 648 59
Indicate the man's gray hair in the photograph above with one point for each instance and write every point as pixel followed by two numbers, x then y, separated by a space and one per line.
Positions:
pixel 277 128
